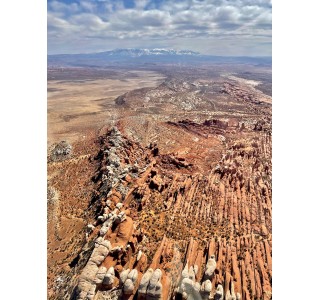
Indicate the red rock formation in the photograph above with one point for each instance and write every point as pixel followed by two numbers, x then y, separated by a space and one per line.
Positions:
pixel 173 223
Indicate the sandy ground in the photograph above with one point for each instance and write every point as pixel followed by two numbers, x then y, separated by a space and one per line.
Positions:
pixel 77 106
pixel 251 84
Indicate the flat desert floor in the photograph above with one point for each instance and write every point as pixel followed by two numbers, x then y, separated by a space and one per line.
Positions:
pixel 75 106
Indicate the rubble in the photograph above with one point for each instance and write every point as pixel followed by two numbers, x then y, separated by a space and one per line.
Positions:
pixel 61 151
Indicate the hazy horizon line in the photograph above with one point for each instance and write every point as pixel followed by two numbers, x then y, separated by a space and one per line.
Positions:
pixel 157 48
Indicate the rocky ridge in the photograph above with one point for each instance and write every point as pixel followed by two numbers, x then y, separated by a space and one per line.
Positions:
pixel 167 206
pixel 163 231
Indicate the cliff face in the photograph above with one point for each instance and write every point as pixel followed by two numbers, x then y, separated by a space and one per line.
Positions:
pixel 187 217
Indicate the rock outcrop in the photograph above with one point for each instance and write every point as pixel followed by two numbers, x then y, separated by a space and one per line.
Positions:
pixel 194 223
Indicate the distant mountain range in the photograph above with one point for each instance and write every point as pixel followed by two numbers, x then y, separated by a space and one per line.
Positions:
pixel 133 56
pixel 135 52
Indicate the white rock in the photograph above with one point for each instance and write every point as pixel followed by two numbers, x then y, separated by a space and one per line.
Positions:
pixel 123 275
pixel 111 271
pixel 106 243
pixel 191 274
pixel 195 267
pixel 207 286
pixel 101 242
pixel 100 252
pixel 90 227
pixel 145 281
pixel 128 287
pixel 119 205
pixel 100 275
pixel 157 275
pixel 187 285
pixel 98 241
pixel 104 229
pixel 117 249
pixel 139 255
pixel 228 296
pixel 82 295
pixel 185 272
pixel 196 287
pixel 91 292
pixel 219 295
pixel 121 217
pixel 133 275
pixel 89 272
pixel 101 218
pixel 210 267
pixel 156 291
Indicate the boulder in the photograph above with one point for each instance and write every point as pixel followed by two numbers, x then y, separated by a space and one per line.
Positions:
pixel 156 291
pixel 187 286
pixel 154 284
pixel 133 275
pixel 128 287
pixel 109 278
pixel 206 286
pixel 196 286
pixel 145 281
pixel 123 275
pixel 210 267
pixel 219 294
pixel 101 218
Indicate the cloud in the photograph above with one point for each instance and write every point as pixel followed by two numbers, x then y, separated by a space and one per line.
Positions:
pixel 146 23
pixel 141 4
pixel 56 6
pixel 131 19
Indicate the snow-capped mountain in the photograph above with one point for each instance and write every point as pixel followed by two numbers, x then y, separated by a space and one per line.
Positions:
pixel 136 52
pixel 138 56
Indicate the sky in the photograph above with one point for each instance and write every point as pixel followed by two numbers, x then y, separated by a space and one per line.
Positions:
pixel 215 27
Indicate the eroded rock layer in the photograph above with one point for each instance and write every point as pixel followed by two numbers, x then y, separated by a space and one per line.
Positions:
pixel 163 230
pixel 185 217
